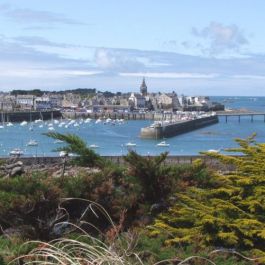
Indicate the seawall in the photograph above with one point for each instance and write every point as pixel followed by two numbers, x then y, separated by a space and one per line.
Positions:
pixel 119 160
pixel 159 131
pixel 19 116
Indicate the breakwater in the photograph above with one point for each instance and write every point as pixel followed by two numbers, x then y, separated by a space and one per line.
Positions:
pixel 18 116
pixel 159 130
pixel 50 161
pixel 126 116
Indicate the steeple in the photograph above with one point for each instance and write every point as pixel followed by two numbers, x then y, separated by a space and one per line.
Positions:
pixel 143 88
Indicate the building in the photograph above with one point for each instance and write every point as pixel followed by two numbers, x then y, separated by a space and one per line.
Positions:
pixel 143 88
pixel 137 101
pixel 25 102
pixel 56 100
pixel 7 102
pixel 163 101
pixel 42 103
pixel 175 101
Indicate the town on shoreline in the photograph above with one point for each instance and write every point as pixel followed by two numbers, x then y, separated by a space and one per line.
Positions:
pixel 91 101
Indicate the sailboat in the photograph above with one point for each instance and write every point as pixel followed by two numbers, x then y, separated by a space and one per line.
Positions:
pixel 30 119
pixel 32 143
pixel 163 144
pixel 3 121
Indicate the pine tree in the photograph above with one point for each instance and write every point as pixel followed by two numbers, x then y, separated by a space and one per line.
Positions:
pixel 229 211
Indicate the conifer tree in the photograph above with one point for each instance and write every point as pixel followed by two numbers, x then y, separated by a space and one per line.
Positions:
pixel 229 210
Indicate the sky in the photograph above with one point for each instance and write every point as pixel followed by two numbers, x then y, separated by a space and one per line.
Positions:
pixel 193 47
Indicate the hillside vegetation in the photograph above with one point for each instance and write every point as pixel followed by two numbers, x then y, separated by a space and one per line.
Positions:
pixel 143 212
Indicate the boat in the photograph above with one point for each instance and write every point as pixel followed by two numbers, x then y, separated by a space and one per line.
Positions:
pixel 32 143
pixel 214 151
pixel 16 152
pixel 58 141
pixel 87 120
pixel 163 144
pixel 93 146
pixel 63 153
pixel 9 124
pixel 130 144
pixel 23 123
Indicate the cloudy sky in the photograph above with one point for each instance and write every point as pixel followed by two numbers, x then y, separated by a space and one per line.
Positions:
pixel 206 47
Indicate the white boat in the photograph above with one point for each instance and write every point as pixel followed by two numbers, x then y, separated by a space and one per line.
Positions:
pixel 87 120
pixel 94 146
pixel 9 124
pixel 23 123
pixel 2 127
pixel 32 143
pixel 38 121
pixel 16 152
pixel 163 144
pixel 213 151
pixel 130 144
pixel 63 153
pixel 51 129
pixel 98 121
pixel 58 141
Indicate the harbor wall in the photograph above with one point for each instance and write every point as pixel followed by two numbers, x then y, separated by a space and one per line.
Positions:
pixel 119 160
pixel 125 116
pixel 170 130
pixel 19 116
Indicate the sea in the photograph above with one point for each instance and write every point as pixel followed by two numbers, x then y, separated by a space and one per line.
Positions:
pixel 112 140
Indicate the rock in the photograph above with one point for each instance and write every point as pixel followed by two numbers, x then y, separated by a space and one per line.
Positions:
pixel 16 171
pixel 20 231
pixel 17 164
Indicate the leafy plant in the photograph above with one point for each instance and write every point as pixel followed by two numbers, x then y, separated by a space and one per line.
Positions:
pixel 75 145
pixel 153 175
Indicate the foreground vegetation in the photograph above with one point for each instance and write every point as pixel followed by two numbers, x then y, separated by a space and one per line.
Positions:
pixel 144 212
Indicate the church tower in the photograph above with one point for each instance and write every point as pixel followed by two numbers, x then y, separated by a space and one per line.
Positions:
pixel 143 88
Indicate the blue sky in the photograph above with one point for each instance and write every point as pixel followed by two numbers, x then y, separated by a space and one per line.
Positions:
pixel 193 47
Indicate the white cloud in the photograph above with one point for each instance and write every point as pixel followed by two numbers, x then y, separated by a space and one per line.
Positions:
pixel 171 75
pixel 30 16
pixel 115 60
pixel 221 38
pixel 39 73
pixel 255 77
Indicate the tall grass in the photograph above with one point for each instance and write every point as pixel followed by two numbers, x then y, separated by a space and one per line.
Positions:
pixel 113 247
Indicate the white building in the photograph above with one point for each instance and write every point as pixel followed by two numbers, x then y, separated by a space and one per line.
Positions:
pixel 137 101
pixel 42 103
pixel 25 102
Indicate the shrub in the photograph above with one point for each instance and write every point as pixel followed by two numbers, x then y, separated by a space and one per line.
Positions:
pixel 227 213
pixel 152 174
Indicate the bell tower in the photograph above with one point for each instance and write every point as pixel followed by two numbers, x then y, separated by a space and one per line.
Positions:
pixel 143 88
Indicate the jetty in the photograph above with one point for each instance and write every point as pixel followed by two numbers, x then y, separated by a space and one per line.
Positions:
pixel 240 114
pixel 19 116
pixel 162 129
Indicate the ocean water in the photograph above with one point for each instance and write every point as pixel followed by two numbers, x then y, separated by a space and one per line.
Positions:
pixel 112 139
